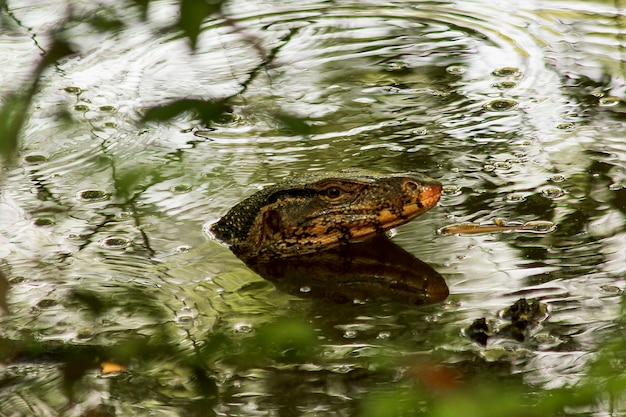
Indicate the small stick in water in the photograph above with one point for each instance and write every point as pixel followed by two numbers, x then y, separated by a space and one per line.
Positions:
pixel 499 226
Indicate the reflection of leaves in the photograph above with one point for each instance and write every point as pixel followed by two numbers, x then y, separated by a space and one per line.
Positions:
pixel 59 49
pixel 4 289
pixel 13 112
pixel 294 124
pixel 206 110
pixel 130 181
pixel 284 340
pixel 143 6
pixel 288 340
pixel 12 115
pixel 14 109
pixel 537 205
pixel 129 300
pixel 619 200
pixel 77 360
pixel 91 300
pixel 105 24
pixel 193 13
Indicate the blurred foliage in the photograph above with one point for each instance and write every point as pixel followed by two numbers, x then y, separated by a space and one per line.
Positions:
pixel 206 111
pixel 287 340
pixel 293 124
pixel 489 395
pixel 14 105
pixel 192 15
pixel 14 110
pixel 153 365
pixel 158 366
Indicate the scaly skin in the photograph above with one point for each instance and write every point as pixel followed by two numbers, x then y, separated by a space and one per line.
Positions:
pixel 320 211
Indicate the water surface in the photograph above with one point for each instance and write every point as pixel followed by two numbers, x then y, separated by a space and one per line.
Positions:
pixel 517 109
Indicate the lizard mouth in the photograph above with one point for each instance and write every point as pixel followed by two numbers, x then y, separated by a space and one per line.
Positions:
pixel 429 195
pixel 421 197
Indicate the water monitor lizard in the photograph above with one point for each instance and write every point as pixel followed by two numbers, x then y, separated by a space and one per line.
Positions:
pixel 323 210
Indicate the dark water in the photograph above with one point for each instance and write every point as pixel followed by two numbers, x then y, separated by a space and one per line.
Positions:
pixel 517 109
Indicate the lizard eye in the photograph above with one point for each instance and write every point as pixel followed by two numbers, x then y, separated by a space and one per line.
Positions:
pixel 332 192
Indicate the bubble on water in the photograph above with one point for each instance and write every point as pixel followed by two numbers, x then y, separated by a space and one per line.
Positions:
pixel 17 279
pixel 455 70
pixel 35 159
pixel 611 289
pixel 557 178
pixel 180 188
pixel 506 72
pixel 84 333
pixel 350 334
pixel 92 195
pixel 73 90
pixel 81 107
pixel 516 197
pixel 538 226
pixel 500 104
pixel 47 303
pixel 185 316
pixel 431 318
pixel 227 118
pixel 182 248
pixel 552 192
pixel 502 165
pixel 565 126
pixel 305 289
pixel 489 168
pixel 365 100
pixel 384 335
pixel 397 66
pixel 115 243
pixel 107 109
pixel 451 190
pixel 243 328
pixel 609 101
pixel 504 85
pixel 420 131
pixel 124 215
pixel 439 93
pixel 43 221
